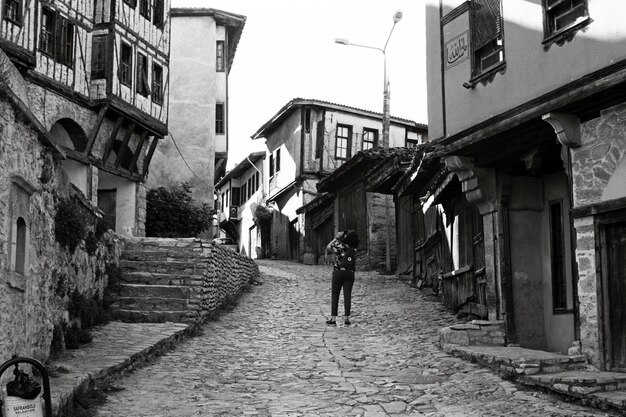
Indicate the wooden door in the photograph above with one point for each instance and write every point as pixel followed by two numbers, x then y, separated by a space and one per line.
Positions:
pixel 107 202
pixel 616 274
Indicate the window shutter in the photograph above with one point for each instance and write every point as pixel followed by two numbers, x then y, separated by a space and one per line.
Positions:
pixel 486 22
pixel 277 160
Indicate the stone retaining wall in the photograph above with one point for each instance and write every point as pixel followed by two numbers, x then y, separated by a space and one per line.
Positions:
pixel 478 332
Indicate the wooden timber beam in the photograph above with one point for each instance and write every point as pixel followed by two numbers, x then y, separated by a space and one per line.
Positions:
pixel 95 129
pixel 109 145
pixel 142 140
pixel 148 158
pixel 122 153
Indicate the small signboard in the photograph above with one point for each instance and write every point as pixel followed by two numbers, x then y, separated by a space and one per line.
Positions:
pixel 457 50
pixel 19 407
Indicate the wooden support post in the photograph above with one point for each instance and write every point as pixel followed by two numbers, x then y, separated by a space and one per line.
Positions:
pixel 122 153
pixel 94 131
pixel 142 140
pixel 109 147
pixel 148 158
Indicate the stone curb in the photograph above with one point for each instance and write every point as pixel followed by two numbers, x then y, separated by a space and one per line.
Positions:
pixel 85 376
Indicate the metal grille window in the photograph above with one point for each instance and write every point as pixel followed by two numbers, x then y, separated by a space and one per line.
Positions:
pixel 98 57
pixel 157 13
pixel 142 75
pixel 370 138
pixel 219 118
pixel 219 60
pixel 126 65
pixel 65 46
pixel 157 84
pixel 46 38
pixel 563 14
pixel 342 142
pixel 486 32
pixel 13 11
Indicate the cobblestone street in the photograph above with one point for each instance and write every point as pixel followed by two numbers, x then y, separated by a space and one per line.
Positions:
pixel 273 355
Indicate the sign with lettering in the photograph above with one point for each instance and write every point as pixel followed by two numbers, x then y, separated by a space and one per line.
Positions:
pixel 18 407
pixel 457 50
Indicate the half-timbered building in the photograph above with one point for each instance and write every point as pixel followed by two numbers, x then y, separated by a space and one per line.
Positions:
pixel 97 76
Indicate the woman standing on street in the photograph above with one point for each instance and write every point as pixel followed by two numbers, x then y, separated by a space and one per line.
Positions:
pixel 344 246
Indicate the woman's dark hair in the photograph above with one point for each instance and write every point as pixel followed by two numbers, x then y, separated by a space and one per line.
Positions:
pixel 351 238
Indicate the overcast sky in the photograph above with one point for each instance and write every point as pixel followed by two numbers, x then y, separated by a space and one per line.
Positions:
pixel 287 50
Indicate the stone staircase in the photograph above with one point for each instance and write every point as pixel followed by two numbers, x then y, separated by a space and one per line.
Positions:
pixel 162 280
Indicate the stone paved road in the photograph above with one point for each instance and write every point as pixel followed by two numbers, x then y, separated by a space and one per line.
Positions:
pixel 273 355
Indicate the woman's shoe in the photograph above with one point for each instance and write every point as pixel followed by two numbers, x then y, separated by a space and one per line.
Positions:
pixel 347 322
pixel 331 322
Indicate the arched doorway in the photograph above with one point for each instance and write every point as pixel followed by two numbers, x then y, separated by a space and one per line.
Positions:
pixel 69 135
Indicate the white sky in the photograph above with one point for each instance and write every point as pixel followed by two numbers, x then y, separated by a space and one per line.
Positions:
pixel 287 50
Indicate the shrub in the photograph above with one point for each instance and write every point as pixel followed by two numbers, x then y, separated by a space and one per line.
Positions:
pixel 71 223
pixel 172 213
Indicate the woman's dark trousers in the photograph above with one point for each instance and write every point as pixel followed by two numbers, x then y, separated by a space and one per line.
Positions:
pixel 345 280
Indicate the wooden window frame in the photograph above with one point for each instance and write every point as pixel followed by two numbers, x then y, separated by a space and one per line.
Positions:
pixel 144 8
pixel 271 165
pixel 347 138
pixel 142 86
pixel 126 68
pixel 220 56
pixel 19 11
pixel 158 14
pixel 374 142
pixel 65 45
pixel 550 32
pixel 410 142
pixel 220 119
pixel 277 161
pixel 47 34
pixel 558 258
pixel 157 83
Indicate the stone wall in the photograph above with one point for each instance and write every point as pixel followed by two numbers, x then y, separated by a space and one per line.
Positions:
pixel 381 220
pixel 598 176
pixel 34 300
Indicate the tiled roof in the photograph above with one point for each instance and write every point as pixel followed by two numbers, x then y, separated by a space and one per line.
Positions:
pixel 241 167
pixel 373 156
pixel 288 108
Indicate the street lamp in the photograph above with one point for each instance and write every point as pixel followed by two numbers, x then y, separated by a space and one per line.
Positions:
pixel 386 122
pixel 386 115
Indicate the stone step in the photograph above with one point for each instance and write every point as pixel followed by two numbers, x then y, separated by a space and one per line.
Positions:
pixel 154 291
pixel 164 255
pixel 610 399
pixel 157 278
pixel 161 244
pixel 136 316
pixel 150 303
pixel 580 383
pixel 173 267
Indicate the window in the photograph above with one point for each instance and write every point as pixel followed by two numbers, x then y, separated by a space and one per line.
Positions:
pixel 257 181
pixel 277 160
pixel 144 8
pixel 219 118
pixel 142 75
pixel 486 32
pixel 271 165
pixel 65 42
pixel 46 38
pixel 98 56
pixel 557 251
pixel 370 138
pixel 560 15
pixel 219 59
pixel 343 142
pixel 412 139
pixel 20 246
pixel 13 11
pixel 131 3
pixel 126 65
pixel 157 14
pixel 307 121
pixel 157 84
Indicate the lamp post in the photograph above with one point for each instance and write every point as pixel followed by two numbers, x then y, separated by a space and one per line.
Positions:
pixel 386 123
pixel 386 114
